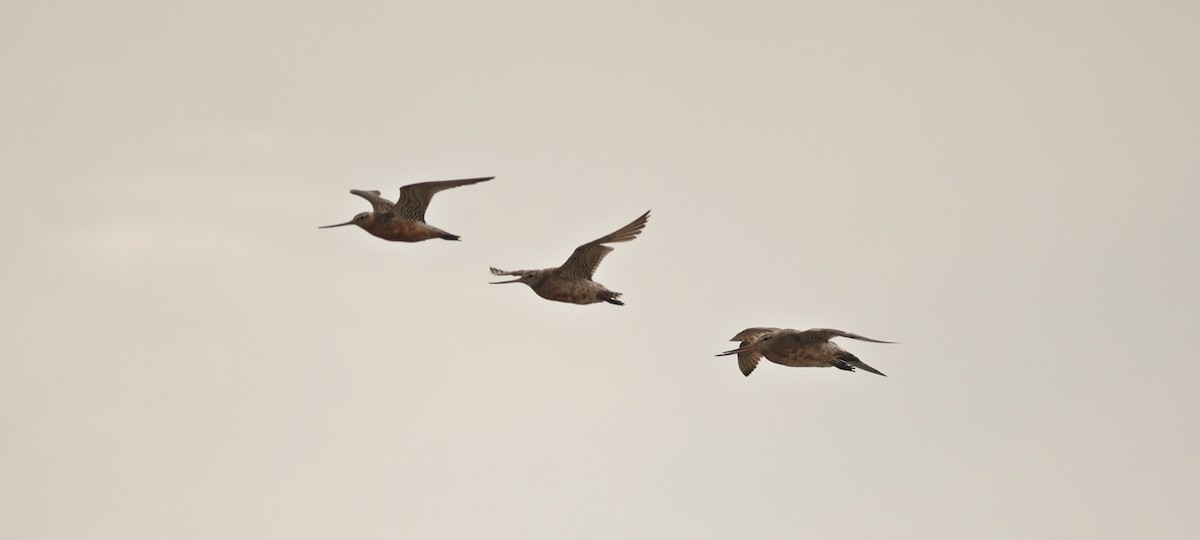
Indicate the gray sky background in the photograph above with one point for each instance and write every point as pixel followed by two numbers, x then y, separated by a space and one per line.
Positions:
pixel 1010 191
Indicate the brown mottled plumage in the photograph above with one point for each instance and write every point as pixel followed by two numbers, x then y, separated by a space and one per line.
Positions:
pixel 572 282
pixel 404 220
pixel 796 348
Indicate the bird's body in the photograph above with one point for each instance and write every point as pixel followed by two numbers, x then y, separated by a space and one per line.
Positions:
pixel 404 220
pixel 402 230
pixel 796 348
pixel 551 285
pixel 572 282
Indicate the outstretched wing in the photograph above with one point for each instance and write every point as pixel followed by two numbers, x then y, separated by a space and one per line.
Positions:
pixel 379 204
pixel 751 335
pixel 817 335
pixel 414 198
pixel 583 261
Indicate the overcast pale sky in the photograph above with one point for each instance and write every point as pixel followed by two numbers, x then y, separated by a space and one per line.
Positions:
pixel 1007 189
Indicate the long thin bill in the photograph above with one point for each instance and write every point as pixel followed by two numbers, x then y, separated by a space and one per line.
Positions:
pixel 747 348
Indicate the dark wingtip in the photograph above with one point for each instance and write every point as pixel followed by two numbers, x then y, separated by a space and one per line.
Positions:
pixel 865 367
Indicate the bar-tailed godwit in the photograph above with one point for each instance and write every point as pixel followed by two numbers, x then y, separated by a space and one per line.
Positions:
pixel 404 220
pixel 572 282
pixel 797 348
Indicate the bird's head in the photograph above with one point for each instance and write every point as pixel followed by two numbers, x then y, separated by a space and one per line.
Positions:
pixel 753 339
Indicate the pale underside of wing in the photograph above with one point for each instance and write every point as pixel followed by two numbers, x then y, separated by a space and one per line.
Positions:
pixel 379 204
pixel 583 261
pixel 414 198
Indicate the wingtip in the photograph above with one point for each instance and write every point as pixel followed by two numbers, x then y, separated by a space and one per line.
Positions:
pixel 869 369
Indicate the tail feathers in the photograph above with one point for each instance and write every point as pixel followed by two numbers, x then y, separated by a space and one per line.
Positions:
pixel 449 236
pixel 848 362
pixel 611 298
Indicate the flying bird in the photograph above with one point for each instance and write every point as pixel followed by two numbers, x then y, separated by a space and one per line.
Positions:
pixel 572 282
pixel 797 348
pixel 404 220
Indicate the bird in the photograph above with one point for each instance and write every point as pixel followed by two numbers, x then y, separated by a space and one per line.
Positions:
pixel 797 348
pixel 404 220
pixel 572 282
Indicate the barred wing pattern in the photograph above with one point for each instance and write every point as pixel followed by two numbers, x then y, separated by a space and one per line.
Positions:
pixel 583 261
pixel 414 198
